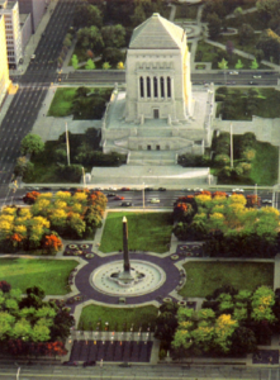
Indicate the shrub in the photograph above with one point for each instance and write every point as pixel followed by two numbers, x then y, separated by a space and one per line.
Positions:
pixel 71 173
pixel 248 154
pixel 162 354
pixel 222 160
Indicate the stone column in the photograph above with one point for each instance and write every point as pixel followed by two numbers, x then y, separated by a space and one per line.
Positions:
pixel 126 265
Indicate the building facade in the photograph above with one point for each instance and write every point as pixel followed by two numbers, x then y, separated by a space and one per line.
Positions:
pixel 160 115
pixel 158 72
pixel 4 70
pixel 26 28
pixel 36 8
pixel 10 10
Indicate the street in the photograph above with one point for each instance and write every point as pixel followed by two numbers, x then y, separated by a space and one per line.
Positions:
pixel 268 78
pixel 134 372
pixel 27 102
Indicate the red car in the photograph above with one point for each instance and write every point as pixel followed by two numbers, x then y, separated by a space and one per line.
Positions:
pixel 118 198
pixel 125 189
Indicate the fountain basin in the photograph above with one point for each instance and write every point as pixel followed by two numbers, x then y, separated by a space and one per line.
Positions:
pixel 144 277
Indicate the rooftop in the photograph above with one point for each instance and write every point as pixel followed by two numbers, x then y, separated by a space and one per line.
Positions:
pixel 157 33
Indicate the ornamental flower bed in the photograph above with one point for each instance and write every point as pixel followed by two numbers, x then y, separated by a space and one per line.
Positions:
pixel 79 250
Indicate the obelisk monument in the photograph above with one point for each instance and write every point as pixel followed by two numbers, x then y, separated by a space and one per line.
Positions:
pixel 126 264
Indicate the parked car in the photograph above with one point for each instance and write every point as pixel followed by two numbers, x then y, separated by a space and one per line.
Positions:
pixel 126 204
pixel 125 189
pixel 257 76
pixel 149 189
pixel 252 83
pixel 154 200
pixel 161 189
pixel 233 72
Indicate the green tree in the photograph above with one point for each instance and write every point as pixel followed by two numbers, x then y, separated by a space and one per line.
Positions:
pixel 75 61
pixel 112 55
pixel 40 331
pixel 76 226
pixel 269 43
pixel 6 325
pixel 23 167
pixel 67 42
pixel 254 65
pixel 139 16
pixel 22 329
pixel 245 33
pixel 31 144
pixel 106 66
pixel 268 7
pixel 214 25
pixel 90 38
pixel 263 300
pixel 87 15
pixel 90 65
pixel 113 36
pixel 239 65
pixel 223 65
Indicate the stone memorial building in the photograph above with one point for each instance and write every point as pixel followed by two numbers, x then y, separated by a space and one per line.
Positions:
pixel 160 115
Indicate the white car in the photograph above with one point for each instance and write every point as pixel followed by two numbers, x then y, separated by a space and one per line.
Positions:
pixel 154 200
pixel 233 73
pixel 33 56
pixel 237 190
pixel 257 76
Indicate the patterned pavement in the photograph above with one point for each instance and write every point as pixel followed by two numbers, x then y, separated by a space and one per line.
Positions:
pixel 82 279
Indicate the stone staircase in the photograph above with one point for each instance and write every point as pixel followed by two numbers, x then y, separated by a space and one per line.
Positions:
pixel 145 158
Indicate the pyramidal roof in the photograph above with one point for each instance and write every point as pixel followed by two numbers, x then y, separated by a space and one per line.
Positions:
pixel 157 33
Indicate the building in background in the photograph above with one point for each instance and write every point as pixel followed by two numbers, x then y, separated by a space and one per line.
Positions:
pixel 26 28
pixel 4 71
pixel 36 8
pixel 10 10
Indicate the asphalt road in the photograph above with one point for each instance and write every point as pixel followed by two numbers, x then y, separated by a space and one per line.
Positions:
pixel 167 198
pixel 33 87
pixel 161 372
pixel 268 78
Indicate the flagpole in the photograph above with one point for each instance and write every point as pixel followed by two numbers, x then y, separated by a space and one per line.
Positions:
pixel 67 145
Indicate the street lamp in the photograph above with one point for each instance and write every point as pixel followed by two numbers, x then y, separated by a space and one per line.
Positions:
pixel 18 372
pixel 84 176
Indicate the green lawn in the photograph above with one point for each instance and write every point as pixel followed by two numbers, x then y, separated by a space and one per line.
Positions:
pixel 62 102
pixel 50 275
pixel 204 277
pixel 116 317
pixel 94 106
pixel 146 231
pixel 265 166
pixel 266 103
